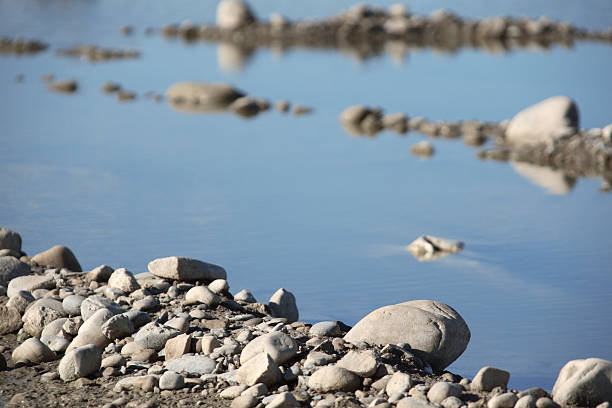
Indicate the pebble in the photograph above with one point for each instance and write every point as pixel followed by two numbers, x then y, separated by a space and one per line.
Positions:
pixel 30 283
pixel 422 149
pixel 171 380
pixel 20 301
pixel 398 383
pixel 333 378
pixel 442 390
pixel 65 86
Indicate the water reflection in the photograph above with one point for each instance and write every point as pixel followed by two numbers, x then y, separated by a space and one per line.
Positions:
pixel 553 181
pixel 233 58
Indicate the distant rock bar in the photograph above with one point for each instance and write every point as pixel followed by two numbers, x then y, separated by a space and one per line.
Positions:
pixel 95 53
pixel 20 46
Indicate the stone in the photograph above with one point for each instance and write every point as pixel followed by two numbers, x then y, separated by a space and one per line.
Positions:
pixel 318 358
pixel 94 303
pixel 138 318
pixel 278 345
pixel 154 335
pixel 326 329
pixel 259 369
pixel 208 343
pixel 29 283
pixel 147 303
pixel 90 331
pixel 546 402
pixel 201 294
pixel 114 360
pixel 65 86
pixel 399 383
pixel 55 343
pixel 422 149
pixel 283 400
pixel 505 400
pixel 488 378
pixel 442 390
pixel 585 382
pixel 186 269
pixel 245 296
pixel 72 304
pixel 353 115
pixel 397 122
pixel 545 122
pixel 192 364
pixel 117 327
pixel 58 257
pixel 245 106
pixel 80 362
pixel 10 321
pixel 100 274
pixel 244 401
pixel 198 96
pixel 452 402
pixel 180 323
pixel 37 317
pixel 10 240
pixel 282 304
pixel 177 346
pixel 257 390
pixel 11 268
pixel 412 402
pixel 21 301
pixel 535 392
pixel 124 280
pixel 133 383
pixel 429 248
pixel 233 392
pixel 527 401
pixel 234 14
pixel 361 362
pixel 332 378
pixel 435 331
pixel 32 350
pixel 171 381
pixel 219 286
pixel 54 328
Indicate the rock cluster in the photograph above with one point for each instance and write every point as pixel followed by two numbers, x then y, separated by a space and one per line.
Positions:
pixel 428 248
pixel 94 53
pixel 21 46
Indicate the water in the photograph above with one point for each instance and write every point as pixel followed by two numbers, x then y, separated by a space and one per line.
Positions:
pixel 295 202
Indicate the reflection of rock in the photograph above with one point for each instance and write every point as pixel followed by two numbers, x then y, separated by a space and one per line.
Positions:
pixel 428 248
pixel 554 181
pixel 232 58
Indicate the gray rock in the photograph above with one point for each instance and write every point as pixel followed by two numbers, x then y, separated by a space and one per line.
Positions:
pixel 527 401
pixel 117 327
pixel 195 96
pixel 55 343
pixel 30 283
pixel 208 343
pixel 72 325
pixel 545 402
pixel 361 362
pixel 332 378
pixel 180 323
pixel 353 115
pixel 452 402
pixel 283 400
pixel 399 383
pixel 412 402
pixel 65 86
pixel 100 274
pixel 245 106
pixel 32 350
pixel 154 335
pixel 72 304
pixel 318 358
pixel 171 381
pixel 326 329
pixel 138 318
pixel 10 320
pixel 586 382
pixel 37 317
pixel 245 296
pixel 54 328
pixel 94 303
pixel 21 301
pixel 442 390
pixel 435 331
pixel 244 401
pixel 234 14
pixel 257 390
pixel 201 294
pixel 278 345
pixel 90 331
pixel 186 269
pixel 422 149
pixel 146 304
pixel 123 280
pixel 10 240
pixel 133 383
pixel 80 362
pixel 232 392
pixel 192 364
pixel 219 286
pixel 282 304
pixel 488 378
pixel 114 360
pixel 544 122
pixel 11 268
pixel 259 369
pixel 505 400
pixel 58 257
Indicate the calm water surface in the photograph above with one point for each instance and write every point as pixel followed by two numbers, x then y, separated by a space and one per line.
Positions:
pixel 296 202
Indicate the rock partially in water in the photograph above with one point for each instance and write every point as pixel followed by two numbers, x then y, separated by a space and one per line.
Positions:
pixel 10 240
pixel 429 248
pixel 64 86
pixel 422 149
pixel 11 268
pixel 245 106
pixel 234 14
pixel 361 120
pixel 21 46
pixel 584 383
pixel 186 269
pixel 553 181
pixel 59 256
pixel 435 331
pixel 110 87
pixel 202 96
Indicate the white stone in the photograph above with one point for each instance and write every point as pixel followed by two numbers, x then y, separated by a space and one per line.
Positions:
pixel 32 350
pixel 94 303
pixel 586 382
pixel 505 400
pixel 399 383
pixel 219 286
pixel 192 364
pixel 245 296
pixel 30 283
pixel 90 331
pixel 179 268
pixel 171 380
pixel 283 400
pixel 80 362
pixel 234 14
pixel 361 362
pixel 123 280
pixel 201 294
pixel 154 335
pixel 117 327
pixel 488 378
pixel 332 378
pixel 282 304
pixel 442 390
pixel 259 369
pixel 280 346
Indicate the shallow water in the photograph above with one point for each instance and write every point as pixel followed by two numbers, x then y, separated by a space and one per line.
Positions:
pixel 295 202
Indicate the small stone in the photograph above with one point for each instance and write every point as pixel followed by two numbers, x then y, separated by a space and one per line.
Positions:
pixel 326 329
pixel 546 402
pixel 117 327
pixel 244 401
pixel 10 240
pixel 233 392
pixel 21 301
pixel 138 318
pixel 452 402
pixel 363 363
pixel 208 344
pixel 422 149
pixel 259 369
pixel 245 296
pixel 299 110
pixel 110 87
pixel 442 390
pixel 10 320
pixel 59 256
pixel 94 303
pixel 278 345
pixel 186 269
pixel 257 390
pixel 398 383
pixel 148 303
pixel 192 364
pixel 55 343
pixel 100 274
pixel 32 350
pixel 123 280
pixel 123 95
pixel 90 331
pixel 506 400
pixel 72 304
pixel 201 294
pixel 282 106
pixel 30 283
pixel 177 346
pixel 115 360
pixel 412 402
pixel 154 335
pixel 11 268
pixel 219 286
pixel 37 317
pixel 171 380
pixel 488 378
pixel 527 401
pixel 333 378
pixel 282 304
pixel 283 400
pixel 234 14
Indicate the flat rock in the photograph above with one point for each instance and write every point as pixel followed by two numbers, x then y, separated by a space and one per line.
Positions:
pixel 32 350
pixel 80 362
pixel 10 321
pixel 10 240
pixel 278 345
pixel 124 280
pixel 434 330
pixel 584 383
pixel 326 329
pixel 259 369
pixel 201 294
pixel 117 327
pixel 234 14
pixel 154 335
pixel 186 269
pixel 488 378
pixel 244 401
pixel 282 304
pixel 58 257
pixel 361 362
pixel 192 364
pixel 332 378
pixel 30 283
pixel 95 302
pixel 11 268
pixel 442 390
pixel 64 85
pixel 138 318
pixel 177 347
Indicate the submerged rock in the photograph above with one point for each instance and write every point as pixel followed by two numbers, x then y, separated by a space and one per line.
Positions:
pixel 422 149
pixel 584 383
pixel 65 86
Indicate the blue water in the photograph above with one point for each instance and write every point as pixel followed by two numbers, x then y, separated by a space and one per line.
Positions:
pixel 295 202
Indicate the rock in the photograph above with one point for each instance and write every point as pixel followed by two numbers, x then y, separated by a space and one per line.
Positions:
pixel 452 402
pixel 244 401
pixel 505 400
pixel 180 323
pixel 71 326
pixel 544 122
pixel 2 362
pixel 154 335
pixel 399 383
pixel 552 180
pixel 110 87
pixel 124 280
pixel 318 358
pixel 422 149
pixel 148 303
pixel 299 110
pixel 186 269
pixel 80 362
pixel 90 331
pixel 10 240
pixel 11 268
pixel 259 369
pixel 21 301
pixel 219 286
pixel 66 86
pixel 283 400
pixel 100 274
pixel 257 390
pixel 234 14
pixel 429 248
pixel 55 343
pixel 72 304
pixel 245 296
pixel 208 344
pixel 192 364
pixel 326 329
pixel 123 95
pixel 199 96
pixel 133 383
pixel 527 401
pixel 282 304
pixel 138 318
pixel 584 383
pixel 115 360
pixel 397 122
pixel 58 257
pixel 412 402
pixel 32 350
pixel 94 303
pixel 245 106
pixel 361 362
pixel 535 392
pixel 435 331
pixel 171 381
pixel 177 346
pixel 353 115
pixel 201 294
pixel 546 402
pixel 488 378
pixel 278 345
pixel 233 392
pixel 332 378
pixel 10 321
pixel 282 106
pixel 442 390
pixel 37 317
pixel 117 327
pixel 30 283
pixel 54 328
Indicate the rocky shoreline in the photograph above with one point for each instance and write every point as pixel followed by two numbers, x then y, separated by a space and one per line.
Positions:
pixel 176 336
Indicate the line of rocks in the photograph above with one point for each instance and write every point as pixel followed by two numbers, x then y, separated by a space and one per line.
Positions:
pixel 95 53
pixel 178 329
pixel 368 31
pixel 20 46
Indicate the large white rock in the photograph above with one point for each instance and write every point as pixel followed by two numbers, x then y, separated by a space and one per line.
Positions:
pixel 201 294
pixel 124 280
pixel 188 269
pixel 80 362
pixel 333 378
pixel 259 369
pixel 32 350
pixel 434 330
pixel 282 304
pixel 29 283
pixel 233 14
pixel 278 345
pixel 544 122
pixel 584 383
